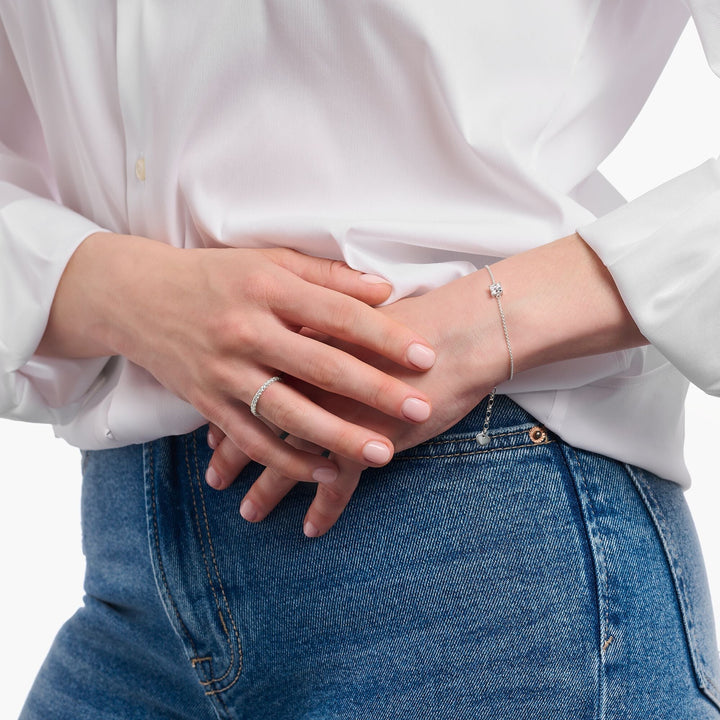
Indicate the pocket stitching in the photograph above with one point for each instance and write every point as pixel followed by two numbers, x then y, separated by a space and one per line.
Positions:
pixel 686 609
pixel 599 559
pixel 475 452
pixel 208 536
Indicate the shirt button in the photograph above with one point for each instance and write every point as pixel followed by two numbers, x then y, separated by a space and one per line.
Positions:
pixel 109 434
pixel 140 169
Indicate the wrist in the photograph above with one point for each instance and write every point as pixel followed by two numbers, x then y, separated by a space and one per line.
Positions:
pixel 98 295
pixel 561 302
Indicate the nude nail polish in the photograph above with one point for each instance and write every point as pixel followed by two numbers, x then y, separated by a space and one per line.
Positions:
pixel 324 475
pixel 374 279
pixel 310 530
pixel 249 511
pixel 421 356
pixel 416 410
pixel 376 453
pixel 213 479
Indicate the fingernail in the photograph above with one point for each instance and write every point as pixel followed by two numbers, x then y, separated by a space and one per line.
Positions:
pixel 376 453
pixel 310 530
pixel 421 356
pixel 374 279
pixel 324 475
pixel 416 410
pixel 212 440
pixel 213 479
pixel 249 511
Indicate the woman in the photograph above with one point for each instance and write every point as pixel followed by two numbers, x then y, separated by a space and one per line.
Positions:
pixel 497 569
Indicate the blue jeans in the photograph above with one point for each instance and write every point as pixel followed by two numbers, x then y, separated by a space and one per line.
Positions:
pixel 522 579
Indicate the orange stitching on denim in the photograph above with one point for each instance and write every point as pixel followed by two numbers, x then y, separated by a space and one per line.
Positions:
pixel 603 553
pixel 219 579
pixel 222 622
pixel 156 537
pixel 666 528
pixel 196 661
pixel 207 572
pixel 598 555
pixel 472 452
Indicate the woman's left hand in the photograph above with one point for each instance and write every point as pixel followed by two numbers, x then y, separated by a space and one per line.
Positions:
pixel 471 358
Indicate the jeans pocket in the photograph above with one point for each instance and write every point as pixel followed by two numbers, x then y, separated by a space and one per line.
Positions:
pixel 186 567
pixel 671 517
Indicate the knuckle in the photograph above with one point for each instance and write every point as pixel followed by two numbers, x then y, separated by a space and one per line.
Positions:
pixel 256 448
pixel 288 416
pixel 226 332
pixel 228 459
pixel 259 288
pixel 331 499
pixel 344 316
pixel 328 371
pixel 336 272
pixel 380 391
pixel 346 441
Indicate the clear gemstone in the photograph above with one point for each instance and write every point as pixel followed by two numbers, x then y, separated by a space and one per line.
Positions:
pixel 496 289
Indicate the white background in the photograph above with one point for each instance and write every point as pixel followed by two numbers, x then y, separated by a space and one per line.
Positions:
pixel 42 564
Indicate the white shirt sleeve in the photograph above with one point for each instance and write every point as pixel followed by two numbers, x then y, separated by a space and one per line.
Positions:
pixel 37 238
pixel 663 251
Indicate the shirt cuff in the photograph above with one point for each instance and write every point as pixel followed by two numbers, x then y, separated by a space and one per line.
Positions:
pixel 663 252
pixel 37 239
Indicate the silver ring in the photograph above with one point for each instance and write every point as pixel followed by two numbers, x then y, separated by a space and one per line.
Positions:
pixel 258 394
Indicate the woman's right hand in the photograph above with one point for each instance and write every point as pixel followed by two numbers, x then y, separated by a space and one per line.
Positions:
pixel 212 325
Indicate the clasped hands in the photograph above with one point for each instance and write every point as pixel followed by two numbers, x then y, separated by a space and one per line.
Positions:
pixel 213 325
pixel 452 386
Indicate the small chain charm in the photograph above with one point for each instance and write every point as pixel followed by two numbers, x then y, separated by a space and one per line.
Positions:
pixel 482 438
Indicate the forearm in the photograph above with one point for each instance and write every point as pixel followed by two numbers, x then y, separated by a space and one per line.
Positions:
pixel 99 294
pixel 560 302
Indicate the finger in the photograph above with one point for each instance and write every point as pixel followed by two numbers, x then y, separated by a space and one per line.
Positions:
pixel 335 275
pixel 348 319
pixel 341 373
pixel 287 408
pixel 264 495
pixel 225 464
pixel 258 442
pixel 331 500
pixel 214 435
pixel 271 487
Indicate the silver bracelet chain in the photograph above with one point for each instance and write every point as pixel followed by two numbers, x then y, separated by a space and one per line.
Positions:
pixel 496 291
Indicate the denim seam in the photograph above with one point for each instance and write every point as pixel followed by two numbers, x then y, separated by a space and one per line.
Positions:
pixel 599 557
pixel 223 712
pixel 208 537
pixel 686 609
pixel 469 438
pixel 198 530
pixel 474 452
pixel 161 567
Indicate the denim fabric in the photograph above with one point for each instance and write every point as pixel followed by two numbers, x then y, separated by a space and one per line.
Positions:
pixel 521 579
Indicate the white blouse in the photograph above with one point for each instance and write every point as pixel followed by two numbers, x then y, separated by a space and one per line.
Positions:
pixel 416 140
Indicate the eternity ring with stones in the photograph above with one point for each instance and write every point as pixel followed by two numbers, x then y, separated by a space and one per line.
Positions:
pixel 260 391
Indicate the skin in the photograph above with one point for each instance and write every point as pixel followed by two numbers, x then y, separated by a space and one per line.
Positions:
pixel 213 324
pixel 560 302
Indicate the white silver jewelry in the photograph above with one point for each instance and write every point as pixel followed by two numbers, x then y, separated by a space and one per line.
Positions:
pixel 496 291
pixel 260 391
